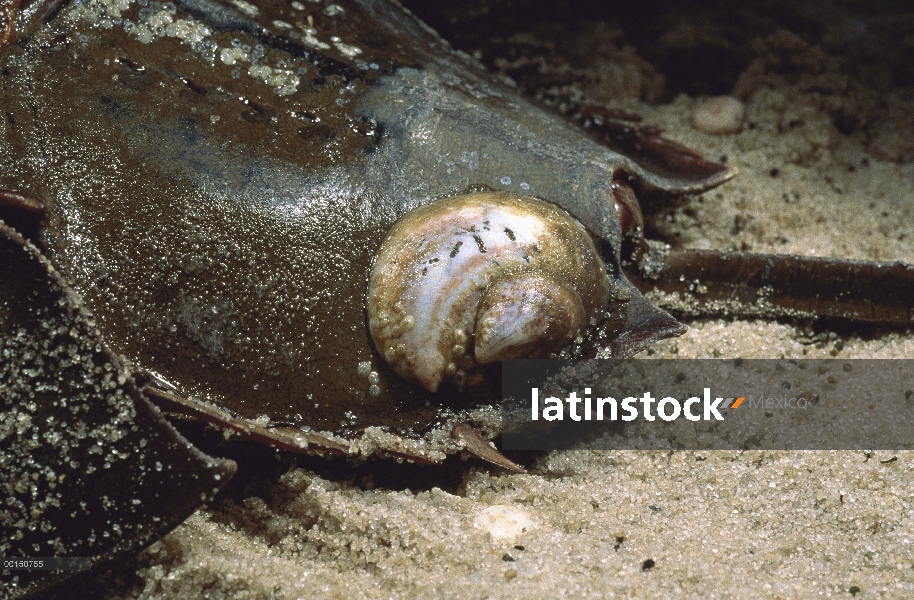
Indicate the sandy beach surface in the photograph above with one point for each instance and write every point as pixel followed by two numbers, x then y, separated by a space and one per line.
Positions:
pixel 826 168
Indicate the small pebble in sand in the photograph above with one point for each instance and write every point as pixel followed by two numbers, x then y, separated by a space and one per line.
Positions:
pixel 719 115
pixel 504 523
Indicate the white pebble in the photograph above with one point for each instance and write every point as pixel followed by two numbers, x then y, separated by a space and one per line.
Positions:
pixel 506 524
pixel 719 115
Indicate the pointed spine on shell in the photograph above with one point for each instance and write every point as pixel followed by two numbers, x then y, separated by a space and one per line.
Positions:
pixel 480 278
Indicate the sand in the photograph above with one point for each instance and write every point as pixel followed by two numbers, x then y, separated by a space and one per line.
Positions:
pixel 649 524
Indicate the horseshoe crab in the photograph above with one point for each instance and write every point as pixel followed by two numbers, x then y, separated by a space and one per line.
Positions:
pixel 213 181
pixel 217 179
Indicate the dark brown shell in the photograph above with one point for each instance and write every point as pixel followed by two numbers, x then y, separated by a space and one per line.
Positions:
pixel 88 468
pixel 221 229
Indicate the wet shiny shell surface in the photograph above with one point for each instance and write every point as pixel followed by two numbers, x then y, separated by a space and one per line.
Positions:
pixel 480 278
pixel 218 180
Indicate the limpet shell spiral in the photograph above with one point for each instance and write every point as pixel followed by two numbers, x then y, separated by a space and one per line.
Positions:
pixel 479 278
